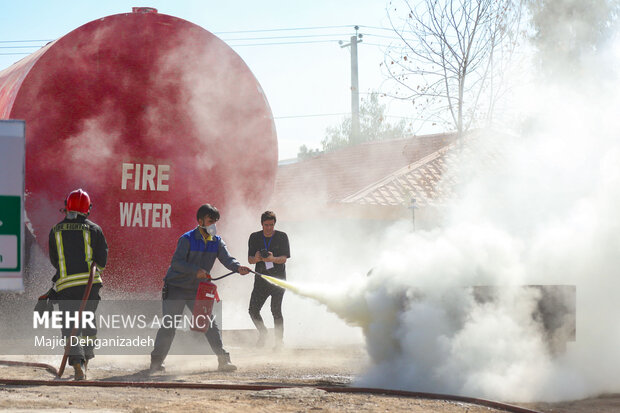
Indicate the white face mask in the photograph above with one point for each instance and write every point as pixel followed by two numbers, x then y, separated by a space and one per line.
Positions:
pixel 211 229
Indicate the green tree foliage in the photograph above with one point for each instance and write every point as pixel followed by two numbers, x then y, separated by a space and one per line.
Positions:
pixel 373 126
pixel 305 152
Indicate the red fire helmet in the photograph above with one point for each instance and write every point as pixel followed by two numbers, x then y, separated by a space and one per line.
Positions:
pixel 78 201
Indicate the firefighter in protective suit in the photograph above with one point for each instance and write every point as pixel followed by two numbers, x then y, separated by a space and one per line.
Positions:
pixel 74 244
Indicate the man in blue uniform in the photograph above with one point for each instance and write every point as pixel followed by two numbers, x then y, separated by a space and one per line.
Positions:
pixel 192 261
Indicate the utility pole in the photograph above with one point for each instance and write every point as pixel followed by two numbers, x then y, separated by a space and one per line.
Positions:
pixel 355 92
pixel 413 206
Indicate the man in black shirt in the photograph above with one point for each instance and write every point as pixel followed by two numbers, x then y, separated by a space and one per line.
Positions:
pixel 268 249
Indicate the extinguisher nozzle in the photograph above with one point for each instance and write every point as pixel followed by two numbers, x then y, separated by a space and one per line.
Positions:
pixel 280 283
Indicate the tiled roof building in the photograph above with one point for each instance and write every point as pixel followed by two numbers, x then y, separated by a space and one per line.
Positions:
pixel 374 180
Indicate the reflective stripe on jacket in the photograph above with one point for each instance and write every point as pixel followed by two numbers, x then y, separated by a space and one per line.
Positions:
pixel 73 245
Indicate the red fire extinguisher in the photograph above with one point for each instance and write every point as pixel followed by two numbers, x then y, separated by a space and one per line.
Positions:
pixel 203 306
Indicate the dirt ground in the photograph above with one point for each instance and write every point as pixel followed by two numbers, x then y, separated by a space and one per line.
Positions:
pixel 306 367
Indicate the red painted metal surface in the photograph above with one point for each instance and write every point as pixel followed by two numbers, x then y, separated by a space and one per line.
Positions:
pixel 203 306
pixel 148 113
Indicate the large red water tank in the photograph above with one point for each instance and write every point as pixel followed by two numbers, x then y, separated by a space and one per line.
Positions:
pixel 152 116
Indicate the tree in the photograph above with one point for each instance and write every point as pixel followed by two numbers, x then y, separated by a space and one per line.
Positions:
pixel 373 126
pixel 451 56
pixel 306 153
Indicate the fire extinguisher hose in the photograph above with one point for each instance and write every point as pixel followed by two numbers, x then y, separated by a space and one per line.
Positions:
pixel 223 276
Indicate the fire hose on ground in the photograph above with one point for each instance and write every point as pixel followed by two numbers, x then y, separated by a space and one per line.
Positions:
pixel 219 386
pixel 89 286
pixel 250 387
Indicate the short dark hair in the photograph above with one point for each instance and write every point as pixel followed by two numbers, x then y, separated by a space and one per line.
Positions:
pixel 268 215
pixel 208 209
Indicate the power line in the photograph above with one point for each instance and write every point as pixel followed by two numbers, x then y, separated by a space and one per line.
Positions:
pixel 378 28
pixel 341 114
pixel 387 37
pixel 285 29
pixel 246 39
pixel 283 37
pixel 251 31
pixel 377 44
pixel 232 44
pixel 18 47
pixel 24 41
pixel 311 116
pixel 283 43
pixel 243 38
pixel 226 32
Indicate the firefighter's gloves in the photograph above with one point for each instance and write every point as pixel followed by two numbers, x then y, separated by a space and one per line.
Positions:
pixel 45 303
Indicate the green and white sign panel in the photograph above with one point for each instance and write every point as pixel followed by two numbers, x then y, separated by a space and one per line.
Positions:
pixel 12 170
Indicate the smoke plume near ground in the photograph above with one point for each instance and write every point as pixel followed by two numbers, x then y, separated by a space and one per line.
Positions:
pixel 535 208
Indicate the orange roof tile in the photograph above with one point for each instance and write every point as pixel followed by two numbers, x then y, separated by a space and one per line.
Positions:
pixel 350 172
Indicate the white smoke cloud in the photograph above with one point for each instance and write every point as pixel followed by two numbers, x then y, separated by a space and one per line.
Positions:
pixel 537 208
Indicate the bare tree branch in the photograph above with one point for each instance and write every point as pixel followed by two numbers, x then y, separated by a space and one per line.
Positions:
pixel 448 54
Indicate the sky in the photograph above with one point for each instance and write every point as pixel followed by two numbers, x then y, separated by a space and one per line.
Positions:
pixel 307 82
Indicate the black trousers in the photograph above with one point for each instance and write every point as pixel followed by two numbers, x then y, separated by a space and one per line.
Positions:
pixel 69 301
pixel 260 293
pixel 173 304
